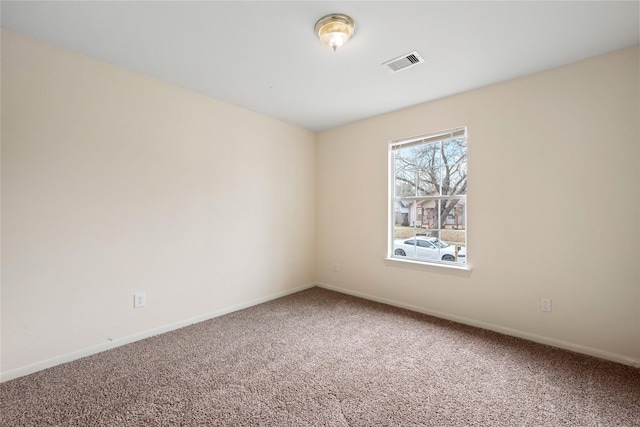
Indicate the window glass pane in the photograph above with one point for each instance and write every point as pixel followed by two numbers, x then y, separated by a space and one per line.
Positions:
pixel 401 214
pixel 404 242
pixel 454 231
pixel 428 164
pixel 452 213
pixel 417 171
pixel 456 239
pixel 406 174
pixel 430 216
pixel 454 166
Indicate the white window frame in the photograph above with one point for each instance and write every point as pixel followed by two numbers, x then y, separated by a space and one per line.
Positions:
pixel 396 145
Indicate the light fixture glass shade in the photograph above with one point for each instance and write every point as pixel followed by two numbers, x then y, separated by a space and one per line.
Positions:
pixel 335 30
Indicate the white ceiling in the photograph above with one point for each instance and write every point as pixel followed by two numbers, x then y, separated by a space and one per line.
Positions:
pixel 264 55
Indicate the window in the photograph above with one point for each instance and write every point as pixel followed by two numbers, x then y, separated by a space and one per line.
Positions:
pixel 428 202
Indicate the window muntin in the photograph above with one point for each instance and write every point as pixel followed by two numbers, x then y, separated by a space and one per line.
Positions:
pixel 428 182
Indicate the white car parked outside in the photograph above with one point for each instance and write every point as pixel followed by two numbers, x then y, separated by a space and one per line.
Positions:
pixel 428 248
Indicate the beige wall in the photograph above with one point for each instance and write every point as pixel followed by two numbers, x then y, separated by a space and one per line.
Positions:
pixel 114 183
pixel 553 208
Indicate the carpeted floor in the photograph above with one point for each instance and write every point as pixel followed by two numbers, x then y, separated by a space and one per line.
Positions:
pixel 326 359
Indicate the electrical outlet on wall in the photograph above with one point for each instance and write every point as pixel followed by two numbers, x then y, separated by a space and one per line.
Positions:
pixel 139 300
pixel 545 304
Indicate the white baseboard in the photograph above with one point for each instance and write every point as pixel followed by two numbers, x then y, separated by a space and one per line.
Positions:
pixel 69 357
pixel 566 345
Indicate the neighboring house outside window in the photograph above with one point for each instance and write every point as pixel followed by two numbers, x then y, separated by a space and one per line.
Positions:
pixel 428 182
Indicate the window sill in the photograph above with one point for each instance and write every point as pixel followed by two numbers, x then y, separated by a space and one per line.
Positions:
pixel 397 262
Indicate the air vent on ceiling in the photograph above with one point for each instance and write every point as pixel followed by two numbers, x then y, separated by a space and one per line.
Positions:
pixel 403 62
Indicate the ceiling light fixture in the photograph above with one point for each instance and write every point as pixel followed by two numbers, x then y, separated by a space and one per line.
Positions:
pixel 335 29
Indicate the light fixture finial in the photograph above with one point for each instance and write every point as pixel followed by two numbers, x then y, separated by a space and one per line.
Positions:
pixel 335 30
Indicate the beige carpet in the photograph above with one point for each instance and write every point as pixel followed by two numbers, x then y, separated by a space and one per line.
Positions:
pixel 326 359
